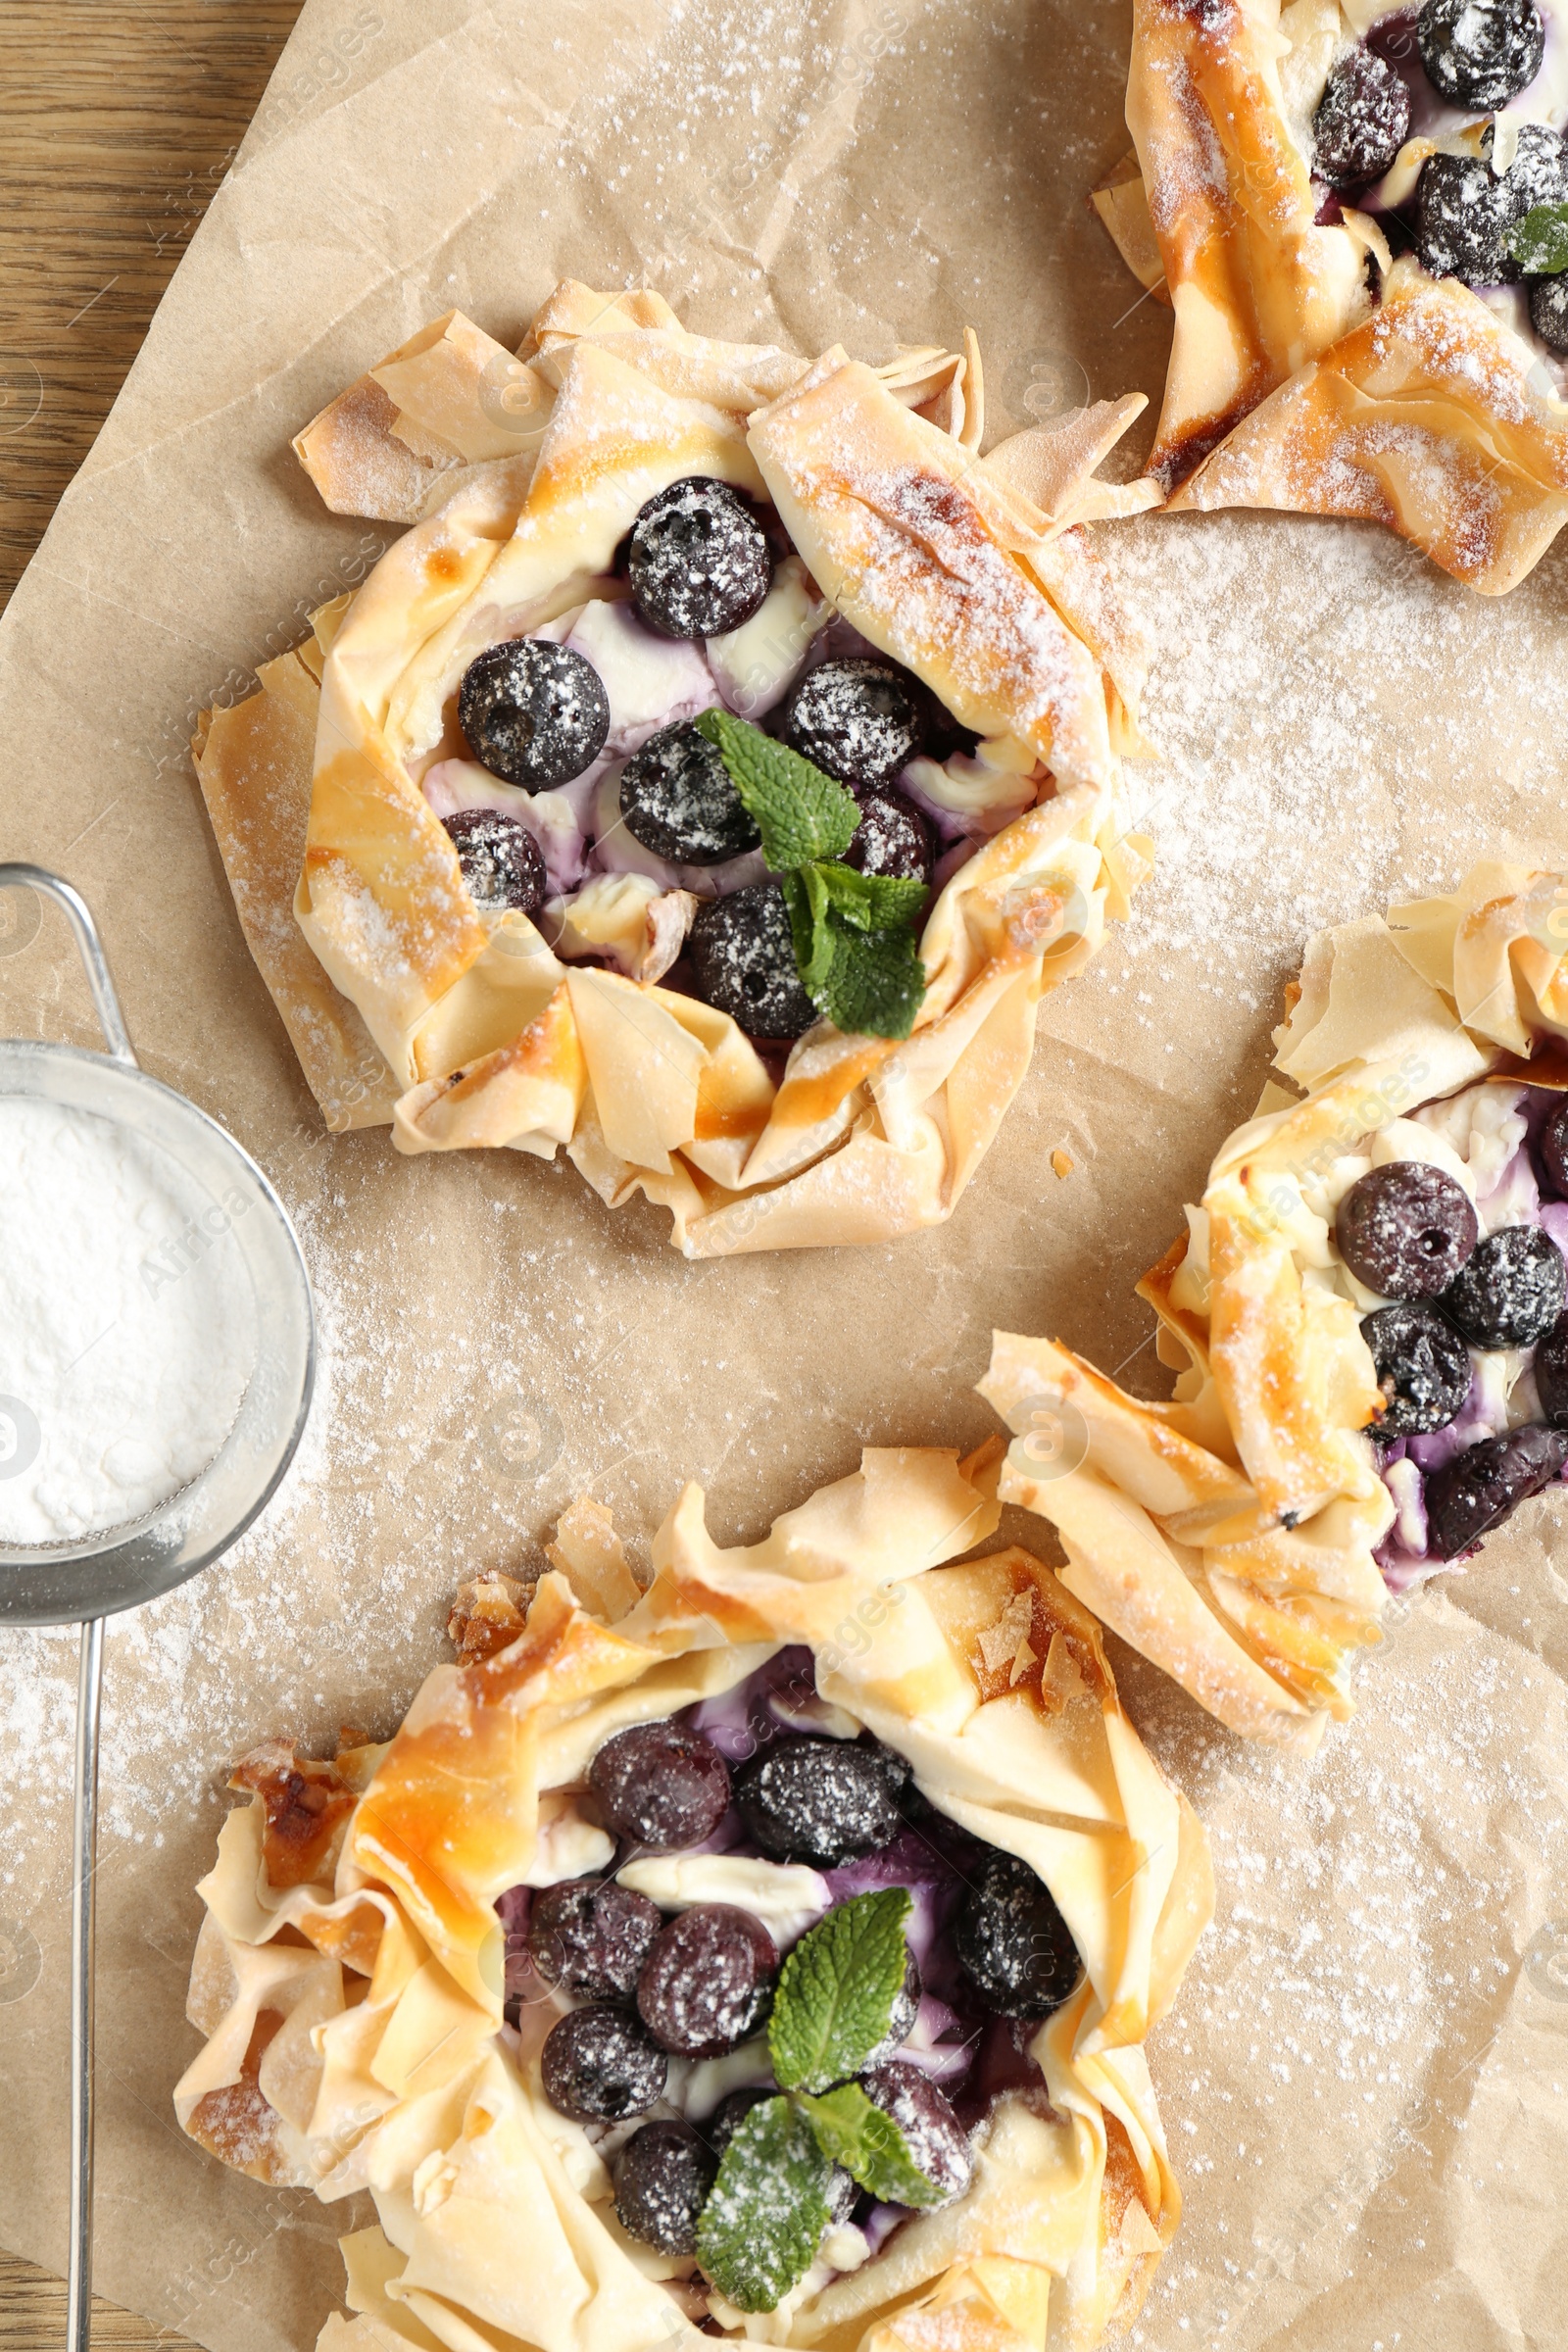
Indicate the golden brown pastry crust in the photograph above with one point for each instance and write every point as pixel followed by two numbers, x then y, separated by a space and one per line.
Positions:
pixel 968 569
pixel 1229 1533
pixel 1308 374
pixel 353 2016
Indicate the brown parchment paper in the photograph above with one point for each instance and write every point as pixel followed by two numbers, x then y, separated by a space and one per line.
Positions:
pixel 1363 2082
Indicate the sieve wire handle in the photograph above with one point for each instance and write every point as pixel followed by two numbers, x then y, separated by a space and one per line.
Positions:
pixel 89 1690
pixel 83 1909
pixel 89 947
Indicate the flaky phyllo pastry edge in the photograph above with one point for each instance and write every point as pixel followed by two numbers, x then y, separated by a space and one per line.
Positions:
pixel 1229 1535
pixel 404 1002
pixel 348 1973
pixel 1287 387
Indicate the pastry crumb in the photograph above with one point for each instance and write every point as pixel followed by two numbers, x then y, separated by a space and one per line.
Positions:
pixel 1062 1162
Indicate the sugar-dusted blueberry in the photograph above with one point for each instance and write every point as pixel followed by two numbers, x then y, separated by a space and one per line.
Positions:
pixel 1551 1373
pixel 1554 1138
pixel 1463 215
pixel 699 560
pixel 591 1937
pixel 662 2184
pixel 1405 1229
pixel 892 838
pixel 730 2113
pixel 534 711
pixel 1548 316
pixel 708 1982
pixel 661 1784
pixel 1422 1365
pixel 859 721
pixel 726 2120
pixel 1012 1942
pixel 677 799
pixel 1479 54
pixel 1362 120
pixel 1465 212
pixel 1510 1291
pixel 822 1801
pixel 932 2132
pixel 743 962
pixel 502 864
pixel 600 2067
pixel 1475 1493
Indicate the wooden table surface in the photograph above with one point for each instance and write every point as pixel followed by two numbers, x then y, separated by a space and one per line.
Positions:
pixel 117 119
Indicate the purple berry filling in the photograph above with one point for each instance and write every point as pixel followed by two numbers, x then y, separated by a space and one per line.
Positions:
pixel 1446 1503
pixel 945 2034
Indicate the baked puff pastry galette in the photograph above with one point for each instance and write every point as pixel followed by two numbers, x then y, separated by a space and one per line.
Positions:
pixel 1358 217
pixel 711 786
pixel 1366 1314
pixel 764 1953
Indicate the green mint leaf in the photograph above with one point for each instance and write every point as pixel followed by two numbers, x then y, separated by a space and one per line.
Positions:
pixel 869 2144
pixel 875 982
pixel 837 1988
pixel 873 902
pixel 803 814
pixel 766 2210
pixel 1539 242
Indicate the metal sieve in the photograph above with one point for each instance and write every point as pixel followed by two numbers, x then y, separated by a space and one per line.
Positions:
pixel 81 1582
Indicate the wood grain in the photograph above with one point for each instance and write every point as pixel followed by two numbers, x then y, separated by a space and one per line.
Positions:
pixel 32 2316
pixel 117 119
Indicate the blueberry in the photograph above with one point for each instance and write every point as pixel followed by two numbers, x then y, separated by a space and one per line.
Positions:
pixel 1465 213
pixel 906 2009
pixel 708 1982
pixel 1512 1290
pixel 1462 216
pixel 892 838
pixel 502 864
pixel 600 2067
pixel 1012 1942
pixel 729 2115
pixel 743 962
pixel 1422 1365
pixel 661 1784
pixel 1551 1373
pixel 726 2120
pixel 592 1936
pixel 859 721
pixel 677 799
pixel 662 2185
pixel 935 2140
pixel 1554 1135
pixel 1548 313
pixel 1405 1229
pixel 534 711
pixel 941 734
pixel 1479 1490
pixel 697 560
pixel 822 1801
pixel 1362 121
pixel 1481 53
pixel 1548 316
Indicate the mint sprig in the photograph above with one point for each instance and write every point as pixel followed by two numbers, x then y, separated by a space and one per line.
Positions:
pixel 853 934
pixel 869 981
pixel 802 813
pixel 835 1991
pixel 869 2144
pixel 832 2011
pixel 1539 242
pixel 768 2208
